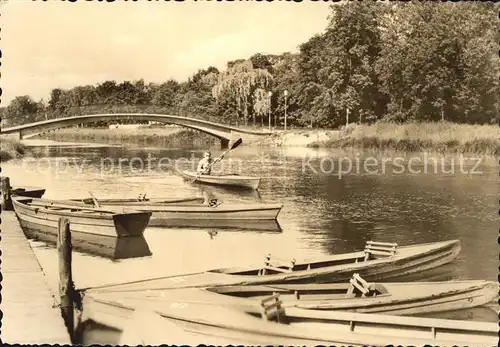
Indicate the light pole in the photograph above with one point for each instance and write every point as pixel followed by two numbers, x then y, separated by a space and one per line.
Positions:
pixel 286 94
pixel 270 94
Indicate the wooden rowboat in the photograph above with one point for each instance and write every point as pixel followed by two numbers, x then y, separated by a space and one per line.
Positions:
pixel 372 264
pixel 167 213
pixel 274 324
pixel 236 181
pixel 356 296
pixel 32 192
pixel 360 296
pixel 42 216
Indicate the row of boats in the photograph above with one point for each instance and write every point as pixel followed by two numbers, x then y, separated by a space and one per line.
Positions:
pixel 358 298
pixel 338 299
pixel 130 217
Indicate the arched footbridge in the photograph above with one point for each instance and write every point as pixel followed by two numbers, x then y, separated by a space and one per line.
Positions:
pixel 224 133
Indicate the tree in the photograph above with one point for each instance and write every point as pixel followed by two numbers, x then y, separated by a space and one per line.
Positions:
pixel 23 109
pixel 164 94
pixel 241 80
pixel 439 62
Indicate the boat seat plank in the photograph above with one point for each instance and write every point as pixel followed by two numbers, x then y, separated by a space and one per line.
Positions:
pixel 376 243
pixel 271 308
pixel 274 268
pixel 380 253
pixel 438 324
pixel 379 248
pixel 275 262
pixel 356 282
pixel 64 206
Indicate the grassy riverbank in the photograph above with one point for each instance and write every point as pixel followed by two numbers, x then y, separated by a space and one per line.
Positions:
pixel 410 137
pixel 11 149
pixel 417 137
pixel 165 137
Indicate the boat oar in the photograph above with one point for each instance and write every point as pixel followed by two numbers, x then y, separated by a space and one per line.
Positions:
pixel 96 204
pixel 235 145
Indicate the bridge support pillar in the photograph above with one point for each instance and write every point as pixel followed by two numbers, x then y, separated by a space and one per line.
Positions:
pixel 224 144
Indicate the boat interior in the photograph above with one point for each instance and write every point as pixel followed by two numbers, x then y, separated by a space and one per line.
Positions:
pixel 273 266
pixel 63 207
pixel 178 202
pixel 271 309
pixel 357 287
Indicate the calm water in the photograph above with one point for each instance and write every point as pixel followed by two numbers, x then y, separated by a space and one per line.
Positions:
pixel 322 213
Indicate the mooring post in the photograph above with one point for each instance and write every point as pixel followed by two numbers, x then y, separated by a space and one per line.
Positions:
pixel 5 188
pixel 66 286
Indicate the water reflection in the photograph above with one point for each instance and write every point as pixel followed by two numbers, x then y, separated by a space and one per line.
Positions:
pixel 115 248
pixel 322 213
pixel 227 194
pixel 263 226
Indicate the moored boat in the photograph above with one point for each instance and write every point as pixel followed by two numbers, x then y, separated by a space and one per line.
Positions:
pixel 167 213
pixel 274 324
pixel 42 216
pixel 377 262
pixel 32 192
pixel 236 181
pixel 359 296
pixel 25 191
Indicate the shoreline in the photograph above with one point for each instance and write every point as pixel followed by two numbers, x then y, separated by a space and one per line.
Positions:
pixel 145 136
pixel 12 149
pixel 439 137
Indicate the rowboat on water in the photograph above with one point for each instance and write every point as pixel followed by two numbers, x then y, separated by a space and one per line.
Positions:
pixel 232 180
pixel 169 212
pixel 26 191
pixel 272 324
pixel 377 262
pixel 406 298
pixel 360 296
pixel 42 216
pixel 32 192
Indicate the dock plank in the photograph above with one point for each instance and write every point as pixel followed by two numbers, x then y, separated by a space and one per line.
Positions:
pixel 29 313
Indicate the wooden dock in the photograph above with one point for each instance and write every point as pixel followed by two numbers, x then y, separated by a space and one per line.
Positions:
pixel 27 300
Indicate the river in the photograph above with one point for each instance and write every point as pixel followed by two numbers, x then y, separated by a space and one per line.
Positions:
pixel 324 211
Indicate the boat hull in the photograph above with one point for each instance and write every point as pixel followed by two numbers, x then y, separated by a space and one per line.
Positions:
pixel 407 261
pixel 235 181
pixel 399 299
pixel 167 214
pixel 46 221
pixel 305 327
pixel 30 192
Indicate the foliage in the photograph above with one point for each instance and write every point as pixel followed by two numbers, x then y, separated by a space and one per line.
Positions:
pixel 401 62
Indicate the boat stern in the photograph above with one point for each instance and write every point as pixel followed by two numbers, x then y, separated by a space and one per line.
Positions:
pixel 131 223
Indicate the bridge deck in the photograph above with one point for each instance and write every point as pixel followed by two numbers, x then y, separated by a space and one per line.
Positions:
pixel 28 315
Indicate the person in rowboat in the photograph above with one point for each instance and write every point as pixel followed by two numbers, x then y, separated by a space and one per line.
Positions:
pixel 206 163
pixel 205 168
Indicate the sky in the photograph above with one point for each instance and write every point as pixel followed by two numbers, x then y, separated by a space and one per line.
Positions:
pixel 59 44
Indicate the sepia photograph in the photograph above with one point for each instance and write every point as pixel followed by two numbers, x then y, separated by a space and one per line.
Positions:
pixel 249 173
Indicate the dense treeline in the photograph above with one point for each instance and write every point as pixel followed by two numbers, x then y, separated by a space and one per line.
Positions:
pixel 399 62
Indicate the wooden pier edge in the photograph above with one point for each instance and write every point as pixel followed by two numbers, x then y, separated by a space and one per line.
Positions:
pixel 30 314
